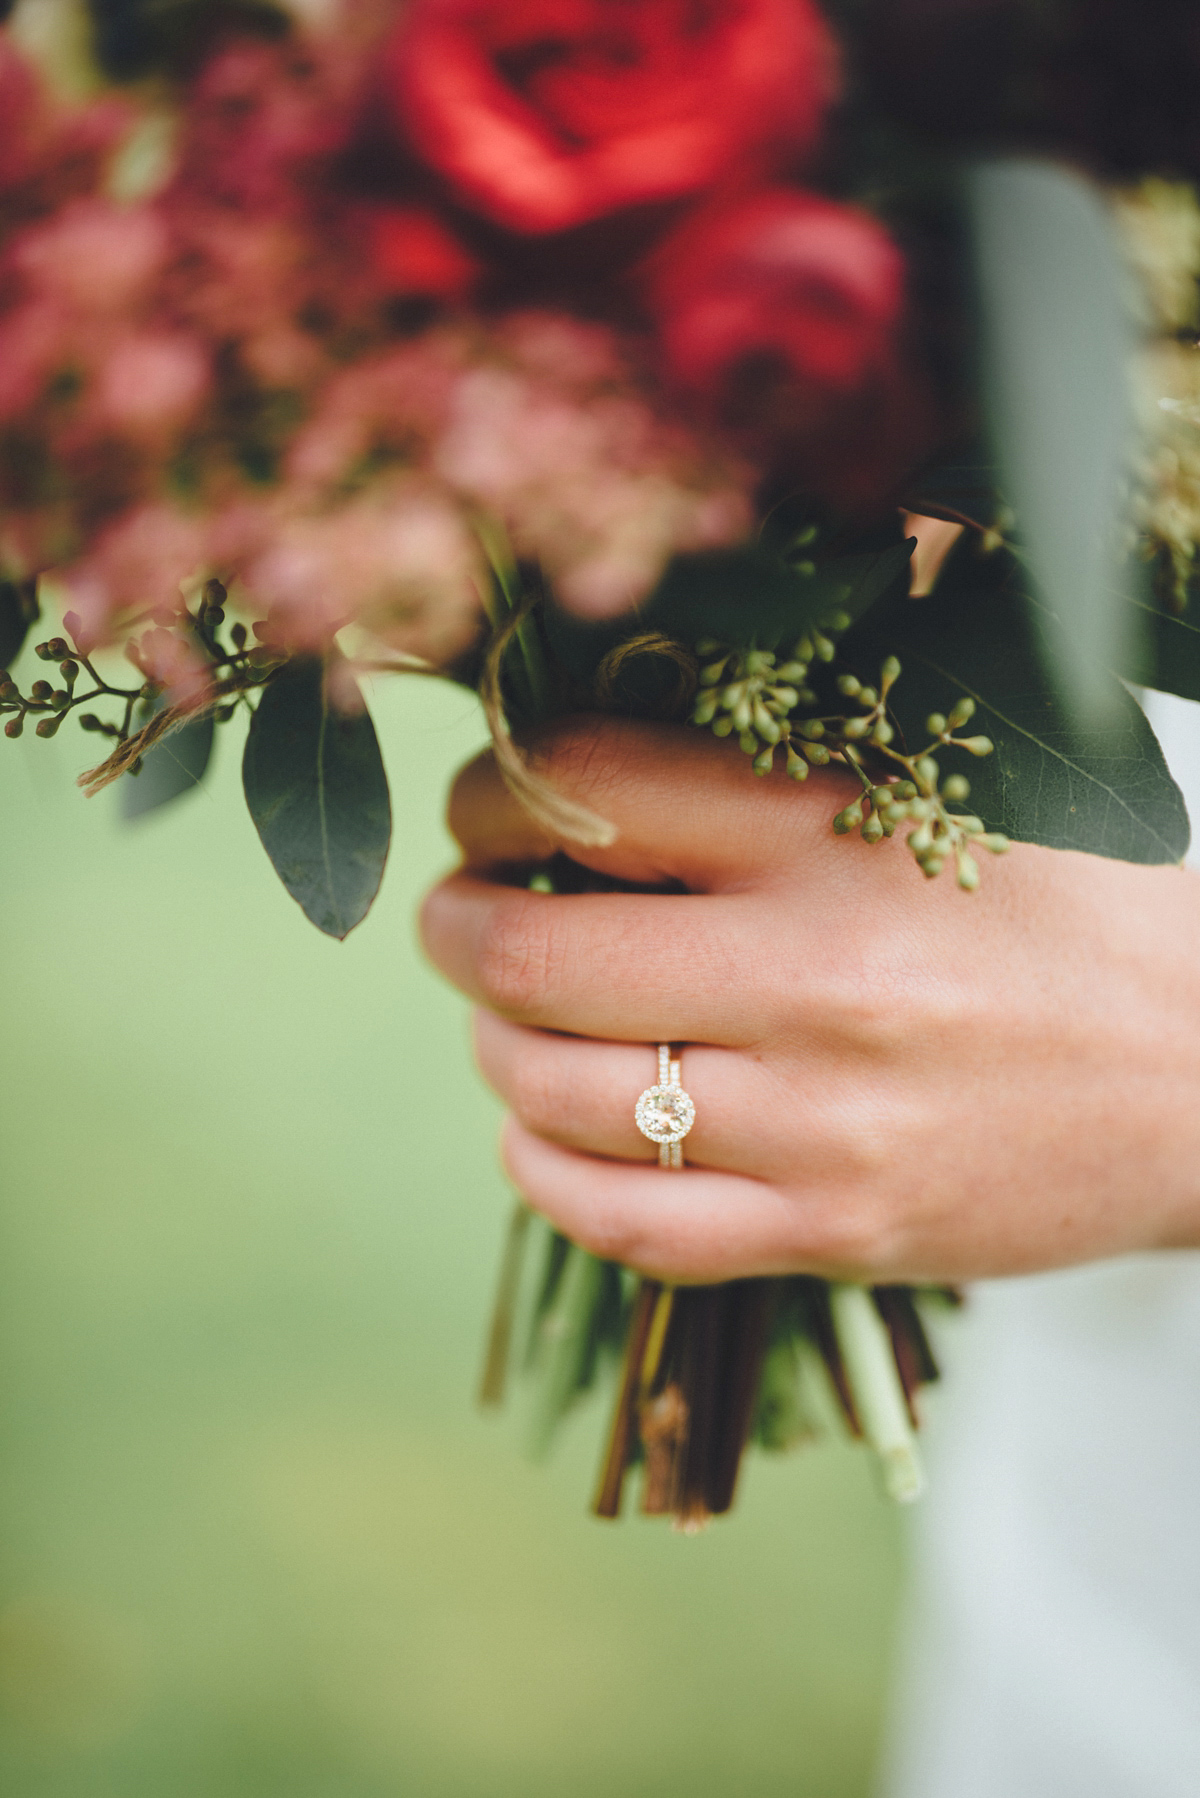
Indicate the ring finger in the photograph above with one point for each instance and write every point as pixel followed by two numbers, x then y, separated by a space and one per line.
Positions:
pixel 581 1093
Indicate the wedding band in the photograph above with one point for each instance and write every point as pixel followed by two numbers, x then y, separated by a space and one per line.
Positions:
pixel 664 1112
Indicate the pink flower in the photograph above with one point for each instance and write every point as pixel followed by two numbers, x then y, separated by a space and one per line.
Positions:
pixel 150 383
pixel 93 257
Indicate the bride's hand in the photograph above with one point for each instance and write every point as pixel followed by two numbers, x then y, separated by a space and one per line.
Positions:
pixel 893 1079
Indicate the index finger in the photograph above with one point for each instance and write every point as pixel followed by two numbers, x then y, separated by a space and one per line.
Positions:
pixel 686 807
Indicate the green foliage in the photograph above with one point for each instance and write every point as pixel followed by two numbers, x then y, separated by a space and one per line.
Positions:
pixel 19 610
pixel 169 769
pixel 315 785
pixel 1099 786
pixel 1056 350
pixel 747 595
pixel 1163 649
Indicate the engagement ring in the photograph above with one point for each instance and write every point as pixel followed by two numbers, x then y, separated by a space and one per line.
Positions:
pixel 665 1113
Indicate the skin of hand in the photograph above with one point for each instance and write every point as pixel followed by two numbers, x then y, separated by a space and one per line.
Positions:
pixel 894 1080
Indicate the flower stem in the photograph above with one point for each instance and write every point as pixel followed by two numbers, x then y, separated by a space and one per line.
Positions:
pixel 870 1363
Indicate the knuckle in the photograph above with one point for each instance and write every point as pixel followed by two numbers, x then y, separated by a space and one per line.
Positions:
pixel 582 757
pixel 858 1236
pixel 514 954
pixel 536 1091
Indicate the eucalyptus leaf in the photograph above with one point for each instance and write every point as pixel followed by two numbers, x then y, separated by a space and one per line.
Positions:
pixel 19 611
pixel 1057 342
pixel 317 792
pixel 1164 652
pixel 740 596
pixel 1099 785
pixel 171 768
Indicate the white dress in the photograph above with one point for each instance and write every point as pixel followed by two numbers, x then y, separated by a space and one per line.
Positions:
pixel 1053 1640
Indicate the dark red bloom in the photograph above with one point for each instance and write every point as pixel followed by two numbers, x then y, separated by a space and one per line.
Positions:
pixel 412 252
pixel 544 114
pixel 782 313
pixel 781 274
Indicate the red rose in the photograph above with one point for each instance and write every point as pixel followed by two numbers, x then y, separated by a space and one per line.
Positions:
pixel 543 114
pixel 782 311
pixel 780 274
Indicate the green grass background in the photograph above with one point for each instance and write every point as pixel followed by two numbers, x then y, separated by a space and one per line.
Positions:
pixel 255 1539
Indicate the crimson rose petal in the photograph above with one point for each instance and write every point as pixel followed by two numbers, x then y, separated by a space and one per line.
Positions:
pixel 544 114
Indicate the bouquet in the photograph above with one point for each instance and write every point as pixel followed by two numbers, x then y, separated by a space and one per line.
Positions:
pixel 819 377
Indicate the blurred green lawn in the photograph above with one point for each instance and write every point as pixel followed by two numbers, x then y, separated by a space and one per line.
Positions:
pixel 254 1537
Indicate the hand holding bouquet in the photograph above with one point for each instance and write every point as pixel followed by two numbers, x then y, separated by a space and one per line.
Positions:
pixel 637 359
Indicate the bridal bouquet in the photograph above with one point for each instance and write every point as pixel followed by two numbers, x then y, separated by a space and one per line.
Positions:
pixel 823 377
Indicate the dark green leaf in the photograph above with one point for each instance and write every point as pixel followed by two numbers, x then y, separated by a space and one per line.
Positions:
pixel 744 596
pixel 317 792
pixel 1102 786
pixel 19 609
pixel 966 490
pixel 1164 652
pixel 173 767
pixel 1056 348
pixel 741 596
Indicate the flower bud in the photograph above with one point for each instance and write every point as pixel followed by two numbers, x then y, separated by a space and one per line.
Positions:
pixel 904 789
pixel 927 769
pixel 856 727
pixel 793 671
pixel 849 684
pixel 8 688
pixel 956 786
pixel 46 727
pixel 40 690
pixel 785 698
pixel 883 733
pixel 748 743
pixel 804 651
pixel 972 826
pixel 69 671
pixel 816 753
pixel 961 713
pixel 849 819
pixel 89 721
pixel 711 675
pixel 872 830
pixel 708 646
pixel 839 621
pixel 797 767
pixel 889 674
pixel 742 713
pixel 935 724
pixel 995 841
pixel 705 708
pixel 237 634
pixel 932 866
pixel 869 696
pixel 976 745
pixel 766 726
pixel 812 728
pixel 722 726
pixel 823 647
pixel 920 840
pixel 15 726
pixel 42 651
pixel 765 761
pixel 968 871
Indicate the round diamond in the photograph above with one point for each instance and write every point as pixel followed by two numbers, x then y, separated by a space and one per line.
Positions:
pixel 664 1113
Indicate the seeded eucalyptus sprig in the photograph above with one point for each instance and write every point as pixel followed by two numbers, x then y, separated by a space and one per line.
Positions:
pixel 744 690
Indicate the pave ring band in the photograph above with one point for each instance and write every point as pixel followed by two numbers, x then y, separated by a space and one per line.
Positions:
pixel 664 1112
